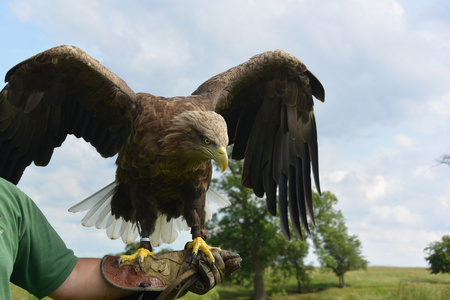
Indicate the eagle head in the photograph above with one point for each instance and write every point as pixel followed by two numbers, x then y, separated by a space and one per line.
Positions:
pixel 197 137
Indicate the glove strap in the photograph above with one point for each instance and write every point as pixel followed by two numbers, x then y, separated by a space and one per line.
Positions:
pixel 191 272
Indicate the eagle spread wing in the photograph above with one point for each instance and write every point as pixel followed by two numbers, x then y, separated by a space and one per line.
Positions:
pixel 58 92
pixel 165 145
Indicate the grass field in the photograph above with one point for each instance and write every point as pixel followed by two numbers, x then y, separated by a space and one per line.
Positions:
pixel 375 283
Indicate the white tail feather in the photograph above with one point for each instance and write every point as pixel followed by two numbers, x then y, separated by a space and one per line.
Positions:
pixel 214 201
pixel 113 230
pixel 93 199
pixel 166 231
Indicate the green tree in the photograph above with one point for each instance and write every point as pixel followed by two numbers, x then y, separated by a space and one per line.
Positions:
pixel 246 228
pixel 291 260
pixel 439 256
pixel 335 248
pixel 131 248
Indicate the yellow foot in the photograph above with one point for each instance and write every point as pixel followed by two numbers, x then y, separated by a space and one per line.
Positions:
pixel 199 244
pixel 140 255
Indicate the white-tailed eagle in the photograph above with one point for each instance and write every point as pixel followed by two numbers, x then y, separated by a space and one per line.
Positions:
pixel 164 146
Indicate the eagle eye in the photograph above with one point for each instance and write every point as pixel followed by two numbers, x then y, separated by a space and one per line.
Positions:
pixel 207 141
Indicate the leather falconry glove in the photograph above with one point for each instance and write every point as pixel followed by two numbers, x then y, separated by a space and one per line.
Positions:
pixel 169 275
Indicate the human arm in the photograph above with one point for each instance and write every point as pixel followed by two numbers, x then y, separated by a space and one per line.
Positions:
pixel 86 282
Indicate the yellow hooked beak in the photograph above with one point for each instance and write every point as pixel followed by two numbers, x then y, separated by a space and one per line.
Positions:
pixel 221 158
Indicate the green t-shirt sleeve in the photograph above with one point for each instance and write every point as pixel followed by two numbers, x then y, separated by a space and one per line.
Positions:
pixel 43 261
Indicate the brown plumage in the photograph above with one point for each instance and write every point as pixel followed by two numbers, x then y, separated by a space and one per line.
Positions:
pixel 165 145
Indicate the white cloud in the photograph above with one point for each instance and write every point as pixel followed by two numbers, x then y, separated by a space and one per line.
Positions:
pixel 395 213
pixel 396 246
pixel 427 172
pixel 337 176
pixel 405 141
pixel 375 187
pixel 440 106
pixel 445 202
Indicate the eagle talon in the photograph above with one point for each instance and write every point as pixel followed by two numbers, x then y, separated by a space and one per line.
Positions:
pixel 140 259
pixel 194 255
pixel 199 244
pixel 140 255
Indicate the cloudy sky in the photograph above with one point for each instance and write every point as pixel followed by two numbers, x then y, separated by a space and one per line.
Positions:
pixel 385 66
